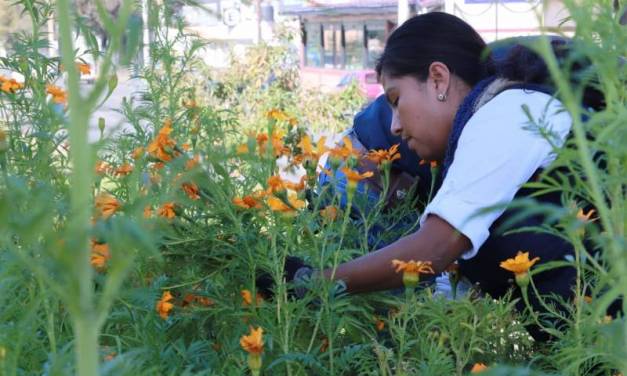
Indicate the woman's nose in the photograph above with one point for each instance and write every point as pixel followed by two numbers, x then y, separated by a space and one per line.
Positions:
pixel 395 127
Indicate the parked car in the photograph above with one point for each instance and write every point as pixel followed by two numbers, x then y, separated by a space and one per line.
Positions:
pixel 367 81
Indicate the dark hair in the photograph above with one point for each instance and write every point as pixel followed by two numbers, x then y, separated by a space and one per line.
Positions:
pixel 435 36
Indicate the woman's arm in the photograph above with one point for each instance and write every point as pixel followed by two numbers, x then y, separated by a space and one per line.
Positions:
pixel 436 241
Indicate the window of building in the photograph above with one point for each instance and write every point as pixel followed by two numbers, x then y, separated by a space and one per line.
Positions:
pixel 375 41
pixel 331 39
pixel 353 46
pixel 313 45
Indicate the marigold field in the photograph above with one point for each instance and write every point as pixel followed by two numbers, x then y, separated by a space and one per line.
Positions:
pixel 137 253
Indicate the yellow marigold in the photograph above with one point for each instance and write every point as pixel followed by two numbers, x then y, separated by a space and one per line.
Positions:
pixel 355 177
pixel 99 255
pixel 247 298
pixel 277 143
pixel 382 155
pixel 276 114
pixel 59 95
pixel 519 264
pixel 585 217
pixel 167 210
pixel 124 169
pixel 107 205
pixel 163 306
pixel 253 343
pixel 309 153
pixel 329 213
pixel 191 190
pixel 478 367
pixel 247 202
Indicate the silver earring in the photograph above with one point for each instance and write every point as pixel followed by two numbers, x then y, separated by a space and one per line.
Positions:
pixel 441 97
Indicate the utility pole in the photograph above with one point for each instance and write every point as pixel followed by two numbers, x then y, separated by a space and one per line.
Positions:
pixel 146 34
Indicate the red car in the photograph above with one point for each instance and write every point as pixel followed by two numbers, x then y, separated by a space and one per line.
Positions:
pixel 367 81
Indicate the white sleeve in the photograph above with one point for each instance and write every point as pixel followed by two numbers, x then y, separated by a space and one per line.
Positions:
pixel 496 154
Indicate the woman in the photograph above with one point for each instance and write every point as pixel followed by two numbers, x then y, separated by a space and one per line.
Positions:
pixel 450 108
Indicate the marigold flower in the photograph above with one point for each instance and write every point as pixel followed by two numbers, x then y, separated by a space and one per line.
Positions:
pixel 106 204
pixel 585 217
pixel 329 213
pixel 434 164
pixel 167 210
pixel 344 151
pixel 191 190
pixel 99 255
pixel 520 266
pixel 277 143
pixel 412 270
pixel 295 186
pixel 163 306
pixel 309 153
pixel 137 153
pixel 379 324
pixel 191 298
pixel 384 156
pixel 277 205
pixel 275 184
pixel 241 149
pixel 10 85
pixel 478 367
pixel 102 167
pixel 355 177
pixel 262 140
pixel 162 147
pixel 192 163
pixel 276 114
pixel 186 146
pixel 124 169
pixel 84 69
pixel 247 298
pixel 59 95
pixel 247 202
pixel 147 212
pixel 253 344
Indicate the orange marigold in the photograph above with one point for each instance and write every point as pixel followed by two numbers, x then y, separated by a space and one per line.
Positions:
pixel 99 255
pixel 124 169
pixel 355 177
pixel 519 264
pixel 247 298
pixel 253 343
pixel 162 147
pixel 329 213
pixel 478 367
pixel 10 85
pixel 384 156
pixel 59 95
pixel 163 306
pixel 167 210
pixel 247 202
pixel 191 190
pixel 106 204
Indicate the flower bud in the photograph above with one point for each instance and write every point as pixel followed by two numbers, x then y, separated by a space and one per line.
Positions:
pixel 254 363
pixel 410 279
pixel 522 280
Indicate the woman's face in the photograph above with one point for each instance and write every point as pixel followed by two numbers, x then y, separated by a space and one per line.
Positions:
pixel 419 117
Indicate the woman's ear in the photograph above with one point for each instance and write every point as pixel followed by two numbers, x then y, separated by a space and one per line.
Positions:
pixel 440 76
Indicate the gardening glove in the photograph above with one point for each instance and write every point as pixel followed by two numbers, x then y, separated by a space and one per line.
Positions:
pixel 293 268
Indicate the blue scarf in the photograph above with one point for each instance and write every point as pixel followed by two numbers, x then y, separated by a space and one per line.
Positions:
pixel 467 109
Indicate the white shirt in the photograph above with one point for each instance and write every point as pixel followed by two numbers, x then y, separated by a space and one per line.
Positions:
pixel 498 151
